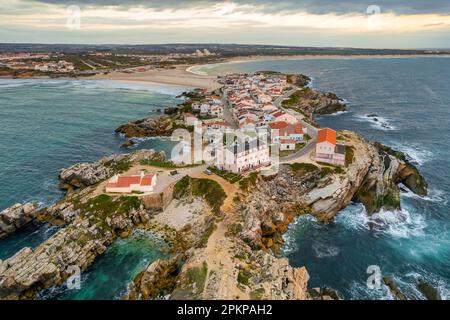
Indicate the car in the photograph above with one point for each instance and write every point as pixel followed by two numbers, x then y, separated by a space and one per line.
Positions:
pixel 208 172
pixel 173 173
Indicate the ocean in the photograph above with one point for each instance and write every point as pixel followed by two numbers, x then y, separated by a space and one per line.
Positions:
pixel 411 100
pixel 46 125
pixel 49 124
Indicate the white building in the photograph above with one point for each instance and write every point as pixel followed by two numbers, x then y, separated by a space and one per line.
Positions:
pixel 240 157
pixel 284 130
pixel 326 148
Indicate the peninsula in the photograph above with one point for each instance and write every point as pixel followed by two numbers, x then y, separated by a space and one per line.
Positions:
pixel 224 215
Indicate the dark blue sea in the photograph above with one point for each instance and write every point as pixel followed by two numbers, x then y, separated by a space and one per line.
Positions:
pixel 411 98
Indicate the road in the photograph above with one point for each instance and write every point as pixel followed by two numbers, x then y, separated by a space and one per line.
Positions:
pixel 227 113
pixel 311 130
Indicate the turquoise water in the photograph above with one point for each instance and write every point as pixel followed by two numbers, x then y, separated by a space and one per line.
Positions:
pixel 46 125
pixel 110 274
pixel 411 97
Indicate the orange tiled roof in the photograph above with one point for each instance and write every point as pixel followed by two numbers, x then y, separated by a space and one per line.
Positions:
pixel 126 181
pixel 278 125
pixel 326 134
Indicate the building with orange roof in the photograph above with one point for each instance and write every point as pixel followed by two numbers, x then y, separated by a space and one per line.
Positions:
pixel 284 130
pixel 287 144
pixel 131 183
pixel 327 149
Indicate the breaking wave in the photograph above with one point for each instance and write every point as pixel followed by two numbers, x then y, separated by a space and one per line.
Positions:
pixel 376 122
pixel 395 223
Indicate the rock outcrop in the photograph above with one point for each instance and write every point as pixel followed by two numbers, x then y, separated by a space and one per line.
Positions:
pixel 312 101
pixel 371 177
pixel 88 174
pixel 17 216
pixel 148 127
pixel 99 221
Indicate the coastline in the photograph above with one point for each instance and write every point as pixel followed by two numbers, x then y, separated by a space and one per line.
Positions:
pixel 188 76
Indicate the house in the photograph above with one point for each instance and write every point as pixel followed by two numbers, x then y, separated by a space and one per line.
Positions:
pixel 205 108
pixel 247 123
pixel 284 130
pixel 128 184
pixel 282 116
pixel 190 119
pixel 216 111
pixel 287 144
pixel 327 150
pixel 240 157
pixel 217 126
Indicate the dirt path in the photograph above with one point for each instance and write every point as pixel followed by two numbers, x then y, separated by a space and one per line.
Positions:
pixel 222 272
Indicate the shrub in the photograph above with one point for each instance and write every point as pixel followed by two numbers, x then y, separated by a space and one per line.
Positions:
pixel 197 276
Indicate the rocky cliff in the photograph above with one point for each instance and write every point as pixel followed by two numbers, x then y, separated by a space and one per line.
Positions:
pixel 371 177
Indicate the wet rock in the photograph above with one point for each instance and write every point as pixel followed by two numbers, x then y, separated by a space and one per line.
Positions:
pixel 17 216
pixel 394 289
pixel 430 292
pixel 148 127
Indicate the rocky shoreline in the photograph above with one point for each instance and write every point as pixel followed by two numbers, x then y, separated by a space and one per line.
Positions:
pixel 229 250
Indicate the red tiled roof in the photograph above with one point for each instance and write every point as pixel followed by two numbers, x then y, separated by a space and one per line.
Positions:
pixel 287 141
pixel 326 134
pixel 278 125
pixel 126 181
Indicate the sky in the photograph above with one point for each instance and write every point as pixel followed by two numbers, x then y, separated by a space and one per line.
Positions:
pixel 324 23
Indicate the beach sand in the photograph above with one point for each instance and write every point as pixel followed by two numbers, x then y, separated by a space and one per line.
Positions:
pixel 176 77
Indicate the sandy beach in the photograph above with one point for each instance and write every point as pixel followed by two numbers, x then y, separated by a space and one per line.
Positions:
pixel 179 76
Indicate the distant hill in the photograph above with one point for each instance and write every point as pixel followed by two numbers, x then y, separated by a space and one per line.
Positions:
pixel 226 50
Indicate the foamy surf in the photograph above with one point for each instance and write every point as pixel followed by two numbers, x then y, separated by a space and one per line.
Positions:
pixel 415 154
pixel 376 122
pixel 394 223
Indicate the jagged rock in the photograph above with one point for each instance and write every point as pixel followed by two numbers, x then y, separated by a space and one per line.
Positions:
pixel 17 216
pixel 128 143
pixel 394 289
pixel 312 101
pixel 79 243
pixel 428 290
pixel 148 127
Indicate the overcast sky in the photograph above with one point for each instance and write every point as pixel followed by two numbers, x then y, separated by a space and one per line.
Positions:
pixel 357 23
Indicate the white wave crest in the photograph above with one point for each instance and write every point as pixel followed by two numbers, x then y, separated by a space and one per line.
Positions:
pixel 395 223
pixel 323 250
pixel 376 122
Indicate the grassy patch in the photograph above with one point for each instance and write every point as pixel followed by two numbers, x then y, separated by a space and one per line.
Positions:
pixel 205 236
pixel 285 153
pixel 166 164
pixel 257 294
pixel 234 229
pixel 249 181
pixel 303 168
pixel 119 166
pixel 293 100
pixel 331 168
pixel 229 176
pixel 197 276
pixel 349 155
pixel 208 189
pixel 244 277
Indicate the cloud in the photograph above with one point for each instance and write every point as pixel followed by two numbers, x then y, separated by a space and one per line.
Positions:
pixel 270 6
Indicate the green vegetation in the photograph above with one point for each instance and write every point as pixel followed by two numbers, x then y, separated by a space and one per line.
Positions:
pixel 197 276
pixel 257 294
pixel 303 168
pixel 249 181
pixel 119 166
pixel 166 164
pixel 244 277
pixel 349 155
pixel 208 189
pixel 307 137
pixel 210 228
pixel 106 205
pixel 388 200
pixel 234 229
pixel 293 100
pixel 229 176
pixel 331 168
